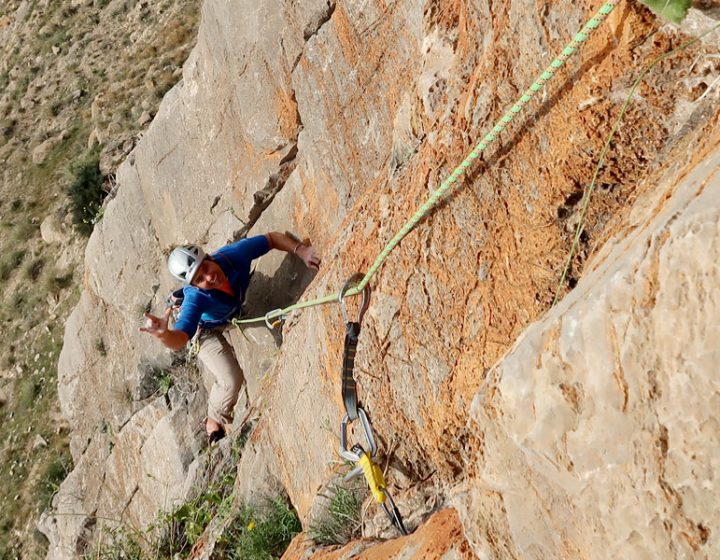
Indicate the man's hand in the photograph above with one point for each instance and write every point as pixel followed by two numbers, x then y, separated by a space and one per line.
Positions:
pixel 158 327
pixel 284 242
pixel 308 255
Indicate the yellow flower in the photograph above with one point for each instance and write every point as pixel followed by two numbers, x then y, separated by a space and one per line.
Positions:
pixel 251 526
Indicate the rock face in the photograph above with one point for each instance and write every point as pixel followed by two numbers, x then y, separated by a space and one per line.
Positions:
pixel 599 428
pixel 334 120
pixel 441 538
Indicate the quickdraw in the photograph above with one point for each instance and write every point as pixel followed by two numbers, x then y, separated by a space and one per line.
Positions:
pixel 352 334
pixel 357 453
pixel 368 467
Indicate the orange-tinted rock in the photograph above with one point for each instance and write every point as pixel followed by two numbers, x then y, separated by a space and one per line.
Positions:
pixel 439 538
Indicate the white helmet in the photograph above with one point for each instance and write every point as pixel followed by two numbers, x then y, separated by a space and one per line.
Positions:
pixel 184 262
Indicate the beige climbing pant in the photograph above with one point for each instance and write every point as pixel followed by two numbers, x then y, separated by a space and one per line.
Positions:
pixel 218 357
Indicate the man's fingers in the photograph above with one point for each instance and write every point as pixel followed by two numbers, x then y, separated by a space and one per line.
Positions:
pixel 152 318
pixel 312 260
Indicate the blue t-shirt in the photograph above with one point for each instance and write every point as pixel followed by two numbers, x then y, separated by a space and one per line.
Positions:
pixel 213 308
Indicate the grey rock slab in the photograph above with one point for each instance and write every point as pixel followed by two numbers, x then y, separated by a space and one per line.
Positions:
pixel 599 427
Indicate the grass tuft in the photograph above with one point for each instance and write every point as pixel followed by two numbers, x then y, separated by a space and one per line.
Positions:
pixel 259 535
pixel 341 522
pixel 10 262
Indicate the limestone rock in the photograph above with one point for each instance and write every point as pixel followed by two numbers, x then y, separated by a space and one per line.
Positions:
pixel 599 427
pixel 51 229
pixel 22 12
pixel 4 392
pixel 38 442
pixel 293 116
pixel 41 151
pixel 440 538
pixel 93 139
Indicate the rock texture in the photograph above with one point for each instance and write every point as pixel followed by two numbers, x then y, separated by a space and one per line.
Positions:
pixel 599 428
pixel 441 538
pixel 334 120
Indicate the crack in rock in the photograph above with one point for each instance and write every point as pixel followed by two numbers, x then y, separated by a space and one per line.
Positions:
pixel 264 197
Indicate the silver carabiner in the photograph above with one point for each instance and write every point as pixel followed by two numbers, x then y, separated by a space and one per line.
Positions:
pixel 347 454
pixel 353 281
pixel 279 318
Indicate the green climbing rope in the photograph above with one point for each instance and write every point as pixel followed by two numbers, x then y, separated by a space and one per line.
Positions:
pixel 581 37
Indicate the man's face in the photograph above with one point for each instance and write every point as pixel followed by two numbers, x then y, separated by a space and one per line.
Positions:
pixel 209 276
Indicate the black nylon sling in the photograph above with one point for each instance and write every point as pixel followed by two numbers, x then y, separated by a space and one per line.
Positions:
pixel 352 334
pixel 349 387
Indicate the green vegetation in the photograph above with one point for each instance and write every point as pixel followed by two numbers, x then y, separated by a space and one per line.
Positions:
pixel 86 192
pixel 674 10
pixel 55 469
pixel 184 526
pixel 342 520
pixel 50 89
pixel 257 535
pixel 252 534
pixel 10 262
pixel 36 470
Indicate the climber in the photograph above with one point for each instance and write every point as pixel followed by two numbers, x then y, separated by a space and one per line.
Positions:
pixel 214 290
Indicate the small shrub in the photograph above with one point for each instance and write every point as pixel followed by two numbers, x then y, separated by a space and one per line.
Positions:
pixel 53 282
pixel 184 526
pixel 164 384
pixel 54 472
pixel 342 520
pixel 7 127
pixel 100 347
pixel 54 108
pixel 119 543
pixel 24 230
pixel 260 536
pixel 27 391
pixel 10 262
pixel 34 268
pixel 86 192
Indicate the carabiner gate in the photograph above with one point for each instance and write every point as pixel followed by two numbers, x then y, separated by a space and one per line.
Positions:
pixel 353 281
pixel 279 318
pixel 348 454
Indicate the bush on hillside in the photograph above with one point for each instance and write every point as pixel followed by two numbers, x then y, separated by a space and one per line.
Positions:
pixel 86 192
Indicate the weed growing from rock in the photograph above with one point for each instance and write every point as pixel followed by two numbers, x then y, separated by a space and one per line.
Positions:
pixel 342 520
pixel 184 526
pixel 259 535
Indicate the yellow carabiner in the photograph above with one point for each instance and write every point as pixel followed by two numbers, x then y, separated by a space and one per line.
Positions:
pixel 374 477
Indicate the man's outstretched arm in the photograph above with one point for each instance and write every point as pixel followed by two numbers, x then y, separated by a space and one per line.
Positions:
pixel 158 327
pixel 282 242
